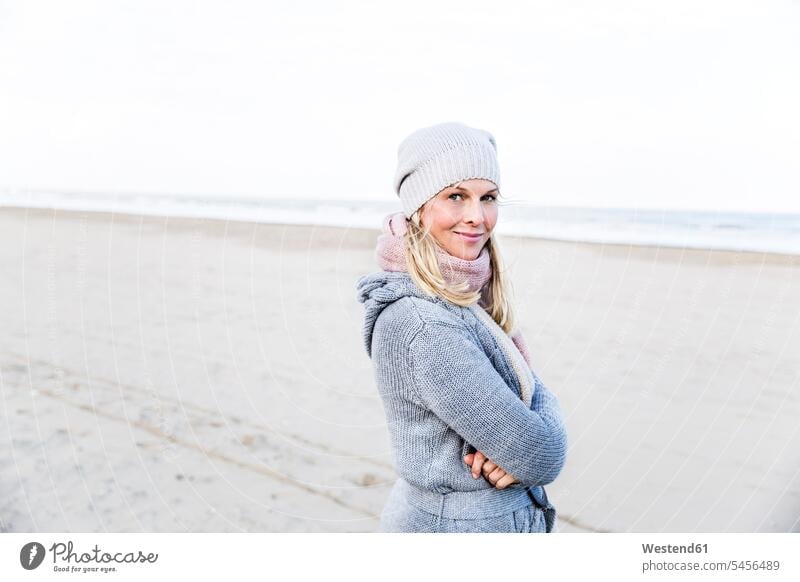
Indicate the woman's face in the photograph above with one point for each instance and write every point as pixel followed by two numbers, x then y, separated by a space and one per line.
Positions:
pixel 469 207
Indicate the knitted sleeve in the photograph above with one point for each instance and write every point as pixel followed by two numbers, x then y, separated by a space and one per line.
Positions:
pixel 546 404
pixel 457 382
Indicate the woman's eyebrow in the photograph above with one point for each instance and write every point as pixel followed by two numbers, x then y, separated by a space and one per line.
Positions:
pixel 465 190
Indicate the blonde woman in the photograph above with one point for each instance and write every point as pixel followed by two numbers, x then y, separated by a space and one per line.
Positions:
pixel 475 434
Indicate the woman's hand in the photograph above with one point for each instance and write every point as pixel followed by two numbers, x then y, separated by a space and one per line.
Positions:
pixel 495 474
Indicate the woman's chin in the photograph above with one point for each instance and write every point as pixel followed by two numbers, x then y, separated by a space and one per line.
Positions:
pixel 464 250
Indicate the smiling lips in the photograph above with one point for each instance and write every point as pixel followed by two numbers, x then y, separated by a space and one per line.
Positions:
pixel 471 237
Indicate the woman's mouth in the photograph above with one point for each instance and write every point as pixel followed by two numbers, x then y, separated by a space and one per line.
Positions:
pixel 470 237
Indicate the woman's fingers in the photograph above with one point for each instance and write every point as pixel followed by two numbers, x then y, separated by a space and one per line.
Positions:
pixel 506 480
pixel 480 463
pixel 493 472
pixel 495 475
pixel 477 464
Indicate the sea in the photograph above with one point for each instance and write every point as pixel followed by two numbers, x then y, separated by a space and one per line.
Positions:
pixel 742 231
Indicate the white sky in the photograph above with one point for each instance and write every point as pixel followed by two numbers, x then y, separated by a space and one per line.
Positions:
pixel 678 104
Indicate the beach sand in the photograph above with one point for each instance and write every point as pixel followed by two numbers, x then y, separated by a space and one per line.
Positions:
pixel 173 374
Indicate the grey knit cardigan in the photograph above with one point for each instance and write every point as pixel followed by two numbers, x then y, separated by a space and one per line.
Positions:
pixel 448 389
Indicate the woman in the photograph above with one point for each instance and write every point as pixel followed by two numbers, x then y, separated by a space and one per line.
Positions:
pixel 475 434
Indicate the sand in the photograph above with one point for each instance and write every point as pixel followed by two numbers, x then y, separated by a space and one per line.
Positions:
pixel 173 374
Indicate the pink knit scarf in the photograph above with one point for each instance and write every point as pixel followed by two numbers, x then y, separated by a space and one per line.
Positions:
pixel 390 256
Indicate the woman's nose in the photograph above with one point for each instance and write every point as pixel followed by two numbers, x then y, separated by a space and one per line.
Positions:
pixel 473 213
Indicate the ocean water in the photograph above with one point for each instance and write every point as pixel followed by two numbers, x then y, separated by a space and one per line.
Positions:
pixel 758 232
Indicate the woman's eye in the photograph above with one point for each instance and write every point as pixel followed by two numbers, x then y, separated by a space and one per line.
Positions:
pixel 491 197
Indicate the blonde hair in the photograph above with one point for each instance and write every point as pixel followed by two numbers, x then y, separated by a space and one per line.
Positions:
pixel 419 247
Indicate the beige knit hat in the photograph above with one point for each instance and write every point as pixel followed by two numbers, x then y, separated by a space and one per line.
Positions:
pixel 433 158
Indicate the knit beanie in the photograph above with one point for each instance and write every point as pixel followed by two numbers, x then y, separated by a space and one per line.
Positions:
pixel 433 158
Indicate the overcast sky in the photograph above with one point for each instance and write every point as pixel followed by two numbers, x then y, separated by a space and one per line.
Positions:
pixel 677 104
